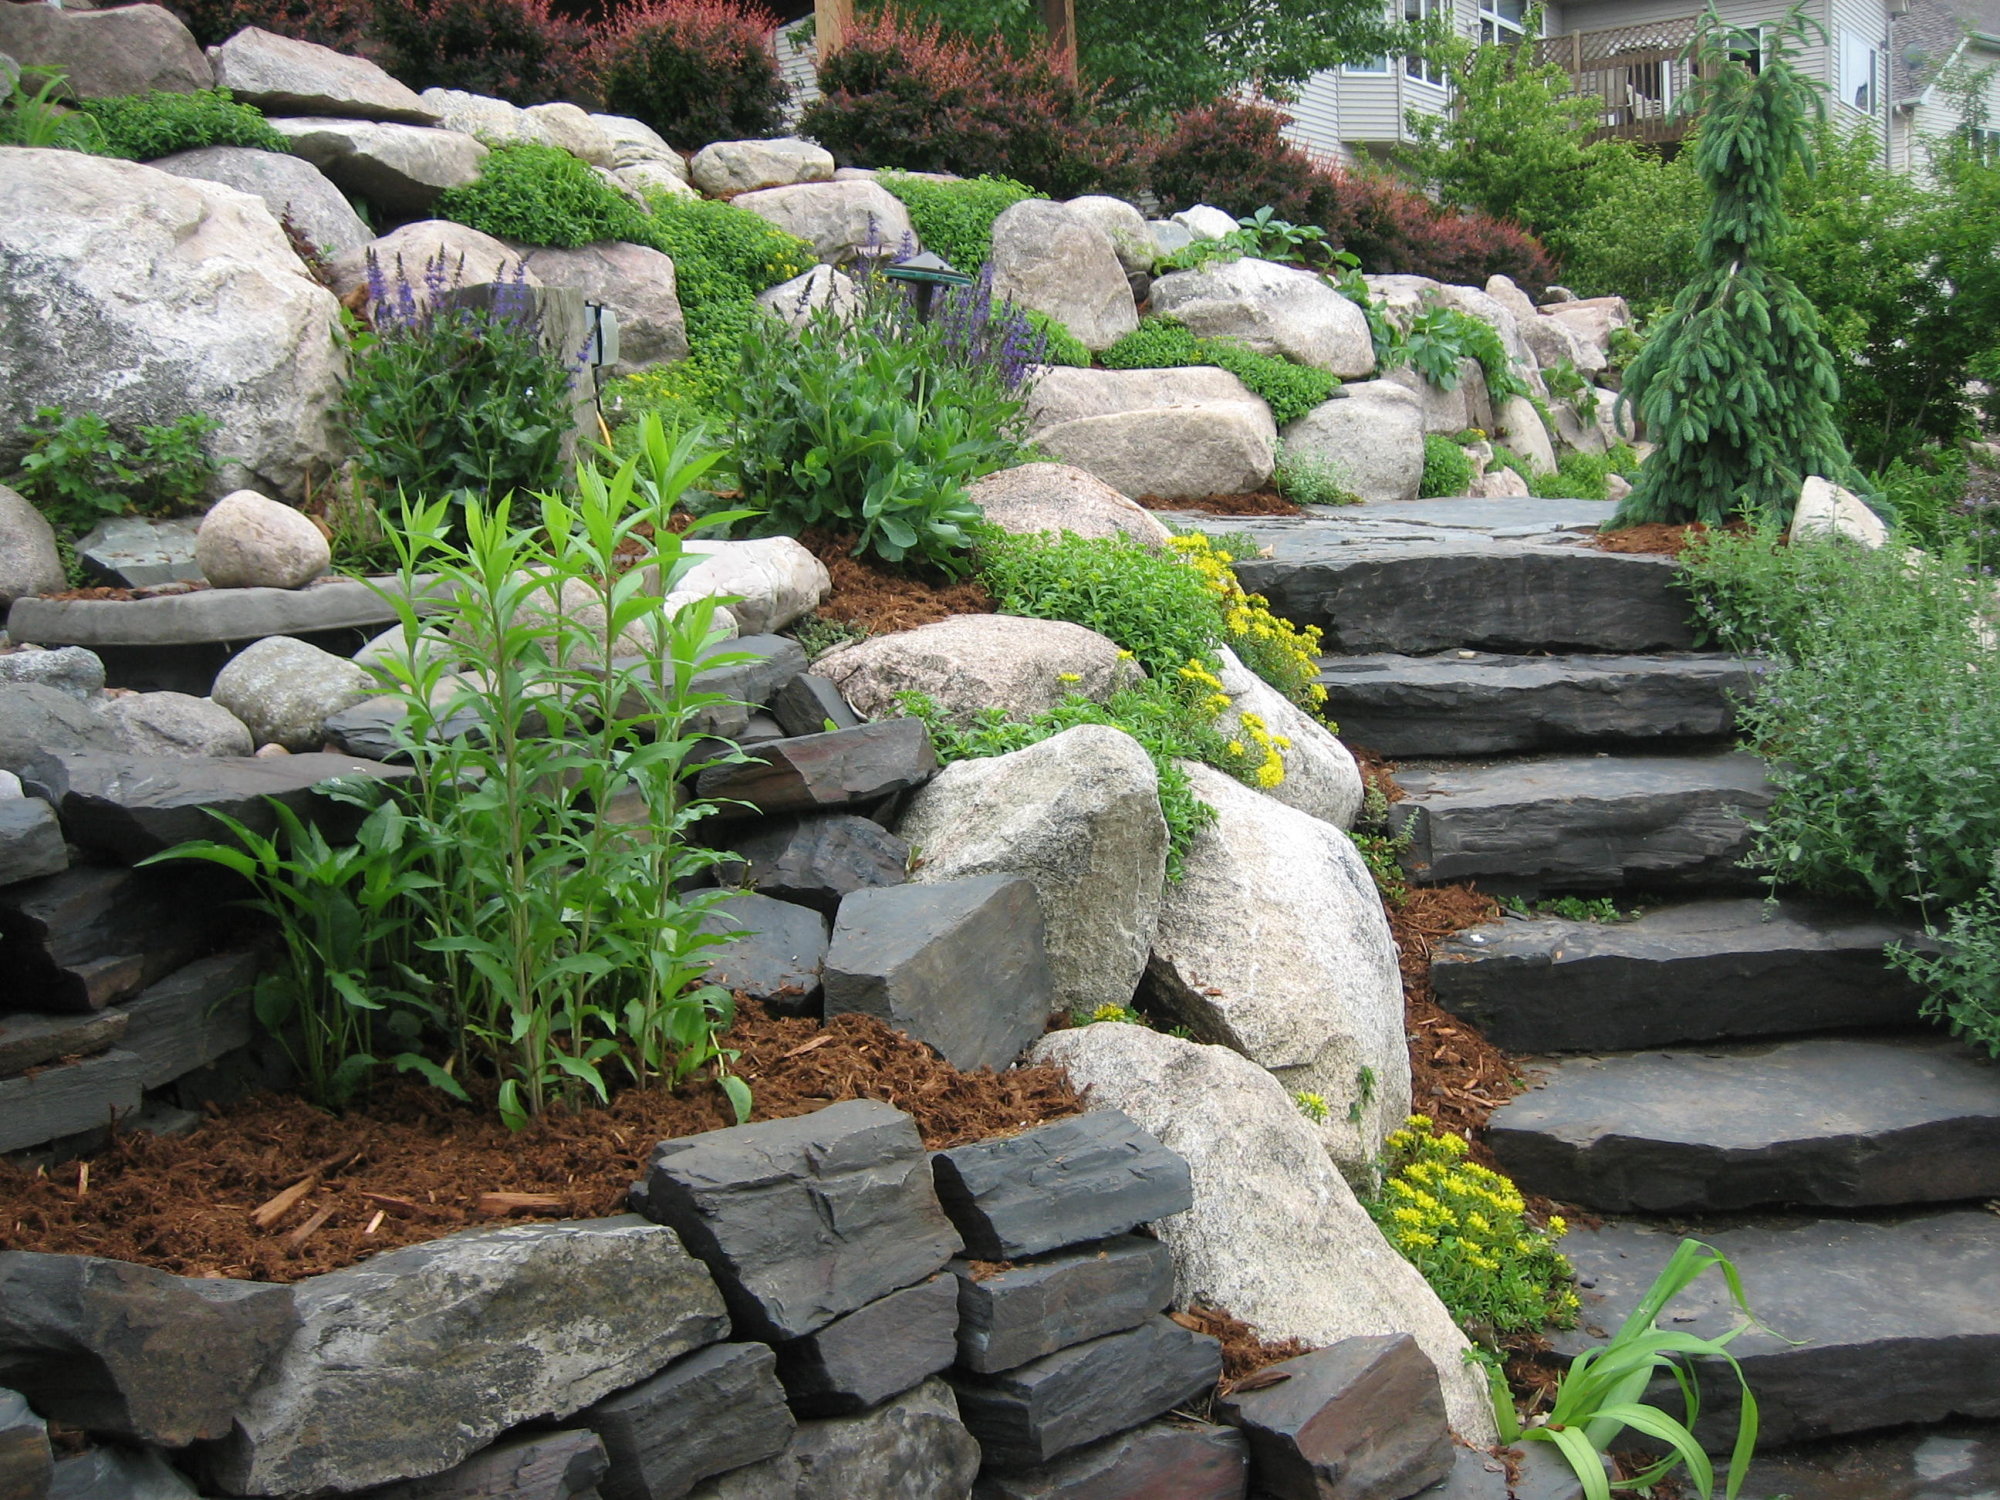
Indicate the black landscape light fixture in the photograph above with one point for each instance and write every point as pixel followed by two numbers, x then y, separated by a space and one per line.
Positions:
pixel 926 273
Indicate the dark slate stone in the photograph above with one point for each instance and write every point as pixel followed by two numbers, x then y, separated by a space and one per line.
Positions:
pixel 803 1219
pixel 1954 1461
pixel 911 1447
pixel 77 941
pixel 810 704
pixel 761 727
pixel 960 964
pixel 203 617
pixel 125 1351
pixel 770 662
pixel 1032 1413
pixel 707 1412
pixel 1584 823
pixel 1476 703
pixel 873 1353
pixel 838 770
pixel 1160 1461
pixel 194 1016
pixel 129 806
pixel 50 1103
pixel 1008 1317
pixel 1476 1475
pixel 1703 971
pixel 778 961
pixel 1082 1178
pixel 31 840
pixel 1361 1419
pixel 28 1040
pixel 1835 1121
pixel 816 859
pixel 25 1458
pixel 119 1474
pixel 38 721
pixel 540 1466
pixel 140 551
pixel 1872 1324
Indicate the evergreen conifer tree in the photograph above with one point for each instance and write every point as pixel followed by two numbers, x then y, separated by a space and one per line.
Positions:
pixel 1736 388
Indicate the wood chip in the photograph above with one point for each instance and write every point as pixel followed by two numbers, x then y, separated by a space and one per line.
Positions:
pixel 510 1203
pixel 402 1208
pixel 818 1041
pixel 376 1222
pixel 269 1212
pixel 311 1226
pixel 1262 1379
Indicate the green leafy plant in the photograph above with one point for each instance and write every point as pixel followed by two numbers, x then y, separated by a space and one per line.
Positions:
pixel 1146 599
pixel 1312 478
pixel 1960 978
pixel 1583 909
pixel 1600 1394
pixel 531 194
pixel 955 219
pixel 1278 651
pixel 146 127
pixel 1383 854
pixel 1439 337
pixel 723 257
pixel 1059 345
pixel 1161 344
pixel 1313 1106
pixel 1447 468
pixel 78 470
pixel 1578 476
pixel 31 112
pixel 1107 1012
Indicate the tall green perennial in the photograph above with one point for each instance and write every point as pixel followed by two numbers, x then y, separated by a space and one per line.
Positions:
pixel 1737 387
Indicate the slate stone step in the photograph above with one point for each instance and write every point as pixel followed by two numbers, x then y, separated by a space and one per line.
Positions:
pixel 1952 1461
pixel 1478 703
pixel 1840 1122
pixel 1584 822
pixel 1696 972
pixel 1872 1325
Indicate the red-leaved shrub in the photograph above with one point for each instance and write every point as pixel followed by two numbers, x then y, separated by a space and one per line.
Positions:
pixel 695 70
pixel 517 50
pixel 903 94
pixel 1235 156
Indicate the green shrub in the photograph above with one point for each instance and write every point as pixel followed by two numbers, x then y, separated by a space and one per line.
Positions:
pixel 1059 345
pixel 1145 598
pixel 1439 337
pixel 955 219
pixel 695 70
pixel 1161 344
pixel 1447 468
pixel 532 194
pixel 1961 980
pixel 517 50
pixel 723 257
pixel 1312 479
pixel 145 127
pixel 1578 476
pixel 78 470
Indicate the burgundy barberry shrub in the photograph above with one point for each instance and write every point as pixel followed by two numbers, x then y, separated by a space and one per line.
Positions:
pixel 695 70
pixel 516 50
pixel 903 94
pixel 339 24
pixel 1234 156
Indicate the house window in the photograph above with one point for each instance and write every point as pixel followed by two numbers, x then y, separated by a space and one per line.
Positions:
pixel 1502 20
pixel 1420 13
pixel 1860 66
pixel 1374 67
pixel 1985 143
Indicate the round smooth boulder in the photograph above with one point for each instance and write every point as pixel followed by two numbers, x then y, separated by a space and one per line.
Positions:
pixel 636 282
pixel 795 301
pixel 282 75
pixel 249 541
pixel 175 724
pixel 633 142
pixel 109 53
pixel 1272 309
pixel 283 689
pixel 769 581
pixel 724 167
pixel 402 168
pixel 1079 816
pixel 1373 435
pixel 1321 778
pixel 468 255
pixel 29 561
pixel 1058 263
pixel 971 662
pixel 575 130
pixel 1123 225
pixel 287 185
pixel 1057 497
pixel 1172 434
pixel 840 220
pixel 68 669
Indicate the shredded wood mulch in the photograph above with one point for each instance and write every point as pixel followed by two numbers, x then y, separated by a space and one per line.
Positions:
pixel 1244 1354
pixel 1251 503
pixel 878 598
pixel 273 1189
pixel 1656 537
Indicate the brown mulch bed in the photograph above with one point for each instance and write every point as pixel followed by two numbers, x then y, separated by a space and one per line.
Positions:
pixel 418 1166
pixel 1656 537
pixel 1378 772
pixel 152 591
pixel 1457 1077
pixel 1243 1352
pixel 878 598
pixel 1253 503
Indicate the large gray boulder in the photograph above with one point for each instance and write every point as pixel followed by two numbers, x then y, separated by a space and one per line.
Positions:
pixel 36 720
pixel 29 561
pixel 1826 510
pixel 795 301
pixel 634 143
pixel 1321 777
pixel 250 541
pixel 1079 816
pixel 771 581
pixel 283 689
pixel 468 255
pixel 230 324
pixel 1373 433
pixel 972 662
pixel 746 166
pixel 1272 309
pixel 1059 263
pixel 911 1448
pixel 133 49
pixel 402 168
pixel 1273 942
pixel 1275 1234
pixel 1123 225
pixel 289 186
pixel 407 1363
pixel 284 76
pixel 1521 428
pixel 1170 434
pixel 574 129
pixel 1592 320
pixel 840 220
pixel 494 122
pixel 636 282
pixel 1447 412
pixel 72 669
pixel 1044 497
pixel 174 724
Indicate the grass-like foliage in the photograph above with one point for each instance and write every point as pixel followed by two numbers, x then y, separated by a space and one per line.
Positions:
pixel 78 470
pixel 955 219
pixel 1447 468
pixel 490 921
pixel 32 112
pixel 1465 1228
pixel 1162 344
pixel 145 127
pixel 1601 1394
pixel 1578 476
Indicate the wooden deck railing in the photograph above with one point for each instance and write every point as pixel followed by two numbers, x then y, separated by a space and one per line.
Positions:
pixel 1638 72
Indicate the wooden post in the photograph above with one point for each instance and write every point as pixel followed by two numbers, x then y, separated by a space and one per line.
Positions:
pixel 831 20
pixel 1059 20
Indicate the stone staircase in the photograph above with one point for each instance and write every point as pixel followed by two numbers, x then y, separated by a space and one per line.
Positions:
pixel 1747 1072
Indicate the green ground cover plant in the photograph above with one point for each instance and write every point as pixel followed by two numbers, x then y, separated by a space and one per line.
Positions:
pixel 1162 344
pixel 1447 468
pixel 955 219
pixel 78 470
pixel 531 194
pixel 1312 479
pixel 145 127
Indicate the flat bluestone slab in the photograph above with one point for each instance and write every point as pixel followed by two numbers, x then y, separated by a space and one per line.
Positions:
pixel 1835 1122
pixel 875 1352
pixel 50 1103
pixel 1008 1317
pixel 1362 1419
pixel 714 1410
pixel 816 859
pixel 193 1016
pixel 126 1351
pixel 1584 822
pixel 811 704
pixel 1034 1412
pixel 778 959
pixel 1896 1323
pixel 29 1040
pixel 909 1448
pixel 1477 703
pixel 73 943
pixel 26 1460
pixel 824 771
pixel 130 806
pixel 804 1219
pixel 141 551
pixel 31 840
pixel 960 964
pixel 541 1466
pixel 119 1474
pixel 203 616
pixel 408 1363
pixel 1703 971
pixel 1955 1461
pixel 1160 1461
pixel 1084 1178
